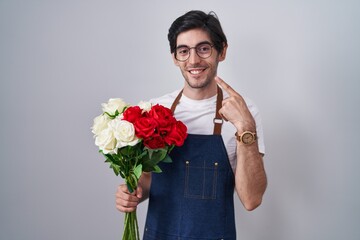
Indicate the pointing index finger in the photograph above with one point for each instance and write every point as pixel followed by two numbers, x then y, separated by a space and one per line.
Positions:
pixel 225 86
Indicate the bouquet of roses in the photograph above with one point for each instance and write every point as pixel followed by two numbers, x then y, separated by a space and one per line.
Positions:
pixel 134 139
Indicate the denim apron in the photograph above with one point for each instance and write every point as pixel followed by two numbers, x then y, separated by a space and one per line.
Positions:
pixel 193 196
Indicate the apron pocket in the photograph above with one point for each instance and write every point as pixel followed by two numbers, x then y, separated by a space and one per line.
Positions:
pixel 200 181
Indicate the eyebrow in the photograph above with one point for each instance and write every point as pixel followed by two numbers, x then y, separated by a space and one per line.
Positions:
pixel 203 42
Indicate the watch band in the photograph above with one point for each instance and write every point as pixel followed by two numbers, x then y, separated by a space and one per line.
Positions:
pixel 246 137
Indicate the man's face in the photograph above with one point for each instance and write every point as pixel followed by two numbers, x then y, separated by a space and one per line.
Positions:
pixel 198 72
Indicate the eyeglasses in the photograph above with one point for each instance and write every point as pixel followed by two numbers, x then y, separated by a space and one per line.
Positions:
pixel 203 50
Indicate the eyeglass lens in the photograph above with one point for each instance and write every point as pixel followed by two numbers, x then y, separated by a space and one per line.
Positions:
pixel 203 50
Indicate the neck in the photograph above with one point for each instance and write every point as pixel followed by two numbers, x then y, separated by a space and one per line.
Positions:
pixel 200 93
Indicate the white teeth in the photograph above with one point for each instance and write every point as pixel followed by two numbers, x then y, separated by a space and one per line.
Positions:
pixel 195 71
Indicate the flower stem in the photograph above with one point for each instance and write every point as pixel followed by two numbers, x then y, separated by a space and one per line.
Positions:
pixel 131 227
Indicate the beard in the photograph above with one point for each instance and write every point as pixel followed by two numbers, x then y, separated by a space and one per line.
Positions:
pixel 198 82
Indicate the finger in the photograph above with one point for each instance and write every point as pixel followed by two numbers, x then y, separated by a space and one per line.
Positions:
pixel 222 115
pixel 123 208
pixel 123 193
pixel 125 204
pixel 124 189
pixel 139 192
pixel 225 86
pixel 125 199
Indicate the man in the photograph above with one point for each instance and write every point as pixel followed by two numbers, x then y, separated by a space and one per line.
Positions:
pixel 193 197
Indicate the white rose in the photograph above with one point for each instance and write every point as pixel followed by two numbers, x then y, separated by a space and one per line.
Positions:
pixel 100 123
pixel 124 133
pixel 106 141
pixel 114 104
pixel 146 106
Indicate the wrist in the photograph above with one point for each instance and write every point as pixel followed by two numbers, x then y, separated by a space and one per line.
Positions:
pixel 242 126
pixel 246 137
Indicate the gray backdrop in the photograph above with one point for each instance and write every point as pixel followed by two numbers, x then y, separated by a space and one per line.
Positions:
pixel 298 60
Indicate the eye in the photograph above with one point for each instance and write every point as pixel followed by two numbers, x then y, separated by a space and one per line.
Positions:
pixel 182 51
pixel 203 48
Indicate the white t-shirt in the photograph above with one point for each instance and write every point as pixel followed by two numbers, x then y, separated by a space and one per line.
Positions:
pixel 198 117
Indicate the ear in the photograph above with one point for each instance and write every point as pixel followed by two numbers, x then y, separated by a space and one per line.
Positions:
pixel 222 55
pixel 176 62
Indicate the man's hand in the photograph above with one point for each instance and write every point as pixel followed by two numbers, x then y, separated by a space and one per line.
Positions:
pixel 235 110
pixel 126 201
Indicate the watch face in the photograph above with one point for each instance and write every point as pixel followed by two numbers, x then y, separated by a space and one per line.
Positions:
pixel 247 138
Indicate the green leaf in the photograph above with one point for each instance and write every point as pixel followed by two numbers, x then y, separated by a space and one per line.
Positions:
pixel 163 153
pixel 157 154
pixel 157 169
pixel 150 151
pixel 142 155
pixel 167 159
pixel 147 166
pixel 116 169
pixel 109 158
pixel 138 171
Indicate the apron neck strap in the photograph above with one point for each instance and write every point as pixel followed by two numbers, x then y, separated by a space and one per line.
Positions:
pixel 218 121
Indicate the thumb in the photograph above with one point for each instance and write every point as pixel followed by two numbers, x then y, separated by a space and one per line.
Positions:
pixel 139 192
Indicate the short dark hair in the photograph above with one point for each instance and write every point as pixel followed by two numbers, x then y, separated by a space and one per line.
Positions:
pixel 198 19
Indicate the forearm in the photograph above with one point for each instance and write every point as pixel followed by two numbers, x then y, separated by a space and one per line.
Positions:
pixel 145 183
pixel 250 176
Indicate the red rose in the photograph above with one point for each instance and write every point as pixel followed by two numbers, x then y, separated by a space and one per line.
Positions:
pixel 154 142
pixel 131 114
pixel 158 111
pixel 164 117
pixel 145 127
pixel 164 127
pixel 177 134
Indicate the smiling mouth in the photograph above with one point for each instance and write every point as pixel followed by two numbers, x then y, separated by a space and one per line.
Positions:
pixel 196 71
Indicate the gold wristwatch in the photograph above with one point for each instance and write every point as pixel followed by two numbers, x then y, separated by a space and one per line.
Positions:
pixel 246 137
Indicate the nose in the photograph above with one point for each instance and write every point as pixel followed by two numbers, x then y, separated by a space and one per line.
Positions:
pixel 193 58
